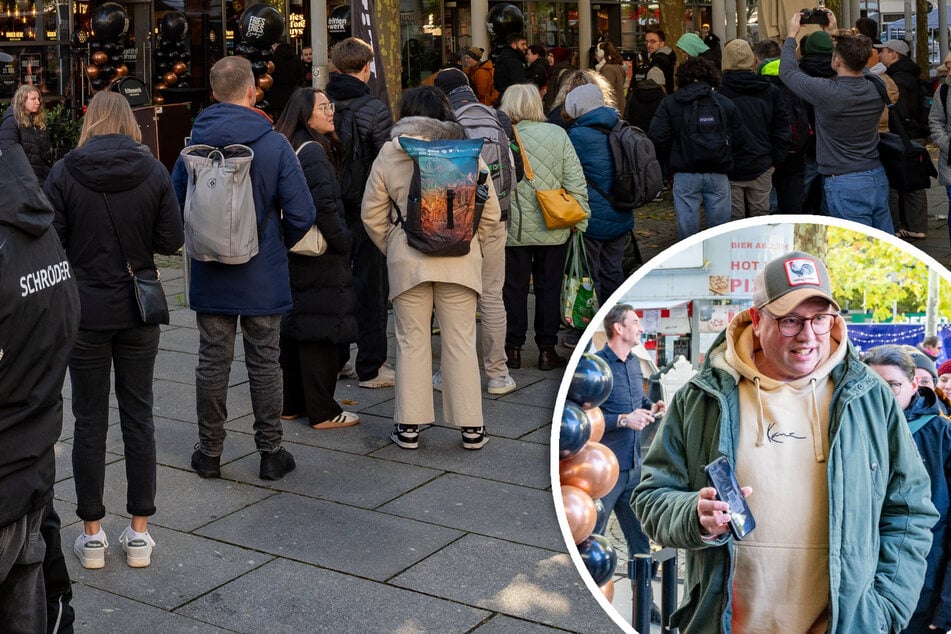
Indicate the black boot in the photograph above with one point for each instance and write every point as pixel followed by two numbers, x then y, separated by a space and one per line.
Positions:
pixel 548 359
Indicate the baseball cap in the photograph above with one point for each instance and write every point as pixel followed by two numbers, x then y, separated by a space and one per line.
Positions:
pixel 787 281
pixel 899 46
pixel 5 58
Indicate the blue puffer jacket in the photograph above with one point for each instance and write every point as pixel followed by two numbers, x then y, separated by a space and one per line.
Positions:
pixel 261 285
pixel 594 152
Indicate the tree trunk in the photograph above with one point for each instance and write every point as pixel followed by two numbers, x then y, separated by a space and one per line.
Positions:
pixel 388 39
pixel 672 22
pixel 835 6
pixel 811 238
pixel 921 33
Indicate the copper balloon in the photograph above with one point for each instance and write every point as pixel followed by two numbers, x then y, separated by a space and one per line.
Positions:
pixel 594 470
pixel 170 78
pixel 596 418
pixel 265 82
pixel 158 100
pixel 100 57
pixel 161 85
pixel 179 67
pixel 122 71
pixel 580 512
pixel 608 590
pixel 270 68
pixel 92 70
pixel 258 95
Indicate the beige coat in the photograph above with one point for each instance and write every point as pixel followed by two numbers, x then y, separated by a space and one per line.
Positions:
pixel 389 181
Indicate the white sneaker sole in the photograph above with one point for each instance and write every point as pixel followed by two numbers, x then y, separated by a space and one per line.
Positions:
pixel 138 556
pixel 91 561
pixel 505 389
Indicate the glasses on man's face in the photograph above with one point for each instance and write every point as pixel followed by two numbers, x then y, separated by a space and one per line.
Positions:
pixel 896 387
pixel 650 41
pixel 792 325
pixel 326 108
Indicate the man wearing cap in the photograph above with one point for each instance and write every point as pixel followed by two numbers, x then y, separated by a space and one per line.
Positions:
pixel 833 479
pixel 847 109
pixel 481 75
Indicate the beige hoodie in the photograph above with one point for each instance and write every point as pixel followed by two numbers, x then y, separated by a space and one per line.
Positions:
pixel 781 579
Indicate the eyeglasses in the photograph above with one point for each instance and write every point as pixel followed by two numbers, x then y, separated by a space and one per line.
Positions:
pixel 326 108
pixel 896 387
pixel 792 325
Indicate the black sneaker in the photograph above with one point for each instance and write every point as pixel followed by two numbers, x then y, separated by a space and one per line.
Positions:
pixel 276 464
pixel 474 437
pixel 405 436
pixel 204 465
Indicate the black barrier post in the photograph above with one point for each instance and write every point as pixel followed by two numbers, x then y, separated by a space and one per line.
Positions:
pixel 640 570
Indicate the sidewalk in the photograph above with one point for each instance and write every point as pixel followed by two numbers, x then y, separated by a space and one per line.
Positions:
pixel 363 536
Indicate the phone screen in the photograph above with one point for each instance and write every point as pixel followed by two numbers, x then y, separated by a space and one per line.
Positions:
pixel 728 490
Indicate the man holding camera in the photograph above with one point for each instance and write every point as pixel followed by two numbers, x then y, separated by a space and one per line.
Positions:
pixel 840 497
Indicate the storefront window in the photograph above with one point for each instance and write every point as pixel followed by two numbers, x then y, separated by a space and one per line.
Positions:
pixel 421 31
pixel 551 23
pixel 29 31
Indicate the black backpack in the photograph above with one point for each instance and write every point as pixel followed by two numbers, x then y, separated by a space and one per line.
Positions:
pixel 637 174
pixel 357 157
pixel 705 138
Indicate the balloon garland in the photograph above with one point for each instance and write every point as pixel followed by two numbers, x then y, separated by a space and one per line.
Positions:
pixel 171 58
pixel 109 23
pixel 587 469
pixel 260 26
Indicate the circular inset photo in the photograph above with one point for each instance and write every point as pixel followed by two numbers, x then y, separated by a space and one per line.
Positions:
pixel 753 432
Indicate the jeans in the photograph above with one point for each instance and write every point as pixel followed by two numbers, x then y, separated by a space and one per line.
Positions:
pixel 606 259
pixel 860 196
pixel 689 190
pixel 132 352
pixel 59 592
pixel 618 500
pixel 22 597
pixel 262 353
pixel 540 266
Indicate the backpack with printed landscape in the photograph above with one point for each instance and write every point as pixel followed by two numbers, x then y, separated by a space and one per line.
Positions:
pixel 705 136
pixel 357 156
pixel 221 223
pixel 481 122
pixel 637 174
pixel 447 194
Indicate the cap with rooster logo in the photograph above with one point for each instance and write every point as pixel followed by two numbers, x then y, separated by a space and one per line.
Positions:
pixel 789 280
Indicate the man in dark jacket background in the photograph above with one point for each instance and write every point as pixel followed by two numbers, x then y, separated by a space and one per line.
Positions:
pixel 39 307
pixel 510 63
pixel 661 60
pixel 373 121
pixel 761 108
pixel 257 291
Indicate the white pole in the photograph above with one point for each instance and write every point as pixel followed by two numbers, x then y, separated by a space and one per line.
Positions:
pixel 318 41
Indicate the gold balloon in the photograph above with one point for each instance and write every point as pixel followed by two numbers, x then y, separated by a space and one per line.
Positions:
pixel 170 78
pixel 122 71
pixel 100 57
pixel 93 71
pixel 179 67
pixel 258 95
pixel 161 85
pixel 158 100
pixel 594 470
pixel 270 68
pixel 596 418
pixel 608 589
pixel 265 82
pixel 580 512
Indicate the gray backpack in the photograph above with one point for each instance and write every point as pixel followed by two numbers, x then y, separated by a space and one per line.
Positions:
pixel 481 122
pixel 220 220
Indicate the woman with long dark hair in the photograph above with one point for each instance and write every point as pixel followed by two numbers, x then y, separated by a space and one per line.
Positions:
pixel 321 286
pixel 115 208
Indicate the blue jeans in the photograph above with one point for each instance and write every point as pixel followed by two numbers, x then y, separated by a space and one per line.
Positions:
pixel 860 196
pixel 619 501
pixel 689 190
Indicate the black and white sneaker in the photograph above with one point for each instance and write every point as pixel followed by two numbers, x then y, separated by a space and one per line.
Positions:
pixel 474 437
pixel 405 436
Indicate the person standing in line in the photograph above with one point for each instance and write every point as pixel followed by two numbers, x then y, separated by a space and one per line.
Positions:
pixel 24 124
pixel 939 124
pixel 611 65
pixel 661 60
pixel 481 75
pixel 510 64
pixel 559 63
pixel 537 70
pixel 115 209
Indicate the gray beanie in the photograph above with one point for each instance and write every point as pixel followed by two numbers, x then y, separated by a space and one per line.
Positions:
pixel 583 100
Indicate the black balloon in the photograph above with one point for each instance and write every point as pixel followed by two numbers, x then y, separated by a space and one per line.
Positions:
pixel 109 22
pixel 261 25
pixel 591 382
pixel 174 26
pixel 258 68
pixel 504 19
pixel 164 67
pixel 602 514
pixel 107 71
pixel 575 431
pixel 99 83
pixel 266 54
pixel 241 49
pixel 186 57
pixel 599 558
pixel 116 59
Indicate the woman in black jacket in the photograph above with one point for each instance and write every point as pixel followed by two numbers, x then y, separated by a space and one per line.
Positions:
pixel 24 124
pixel 321 286
pixel 114 205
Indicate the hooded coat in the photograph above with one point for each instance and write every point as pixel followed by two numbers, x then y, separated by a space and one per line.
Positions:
pixel 260 286
pixel 147 216
pixel 35 142
pixel 906 74
pixel 39 310
pixel 509 69
pixel 939 123
pixel 761 108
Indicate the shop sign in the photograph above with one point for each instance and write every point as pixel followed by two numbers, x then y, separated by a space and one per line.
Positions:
pixel 296 24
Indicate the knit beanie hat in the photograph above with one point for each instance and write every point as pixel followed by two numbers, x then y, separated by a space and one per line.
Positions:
pixel 475 53
pixel 819 42
pixel 691 44
pixel 737 55
pixel 944 368
pixel 922 361
pixel 449 79
pixel 583 99
pixel 560 54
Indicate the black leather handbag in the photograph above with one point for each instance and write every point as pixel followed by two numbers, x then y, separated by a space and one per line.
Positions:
pixel 149 294
pixel 907 163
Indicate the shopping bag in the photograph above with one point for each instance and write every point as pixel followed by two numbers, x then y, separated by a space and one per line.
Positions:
pixel 579 301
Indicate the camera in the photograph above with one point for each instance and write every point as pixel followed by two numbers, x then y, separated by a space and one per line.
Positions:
pixel 814 16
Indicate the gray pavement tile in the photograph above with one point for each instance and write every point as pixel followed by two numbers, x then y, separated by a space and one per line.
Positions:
pixel 183 568
pixel 176 366
pixel 182 499
pixel 513 420
pixel 98 611
pixel 365 543
pixel 516 580
pixel 542 436
pixel 506 511
pixel 341 477
pixel 175 442
pixel 371 434
pixel 270 600
pixel 359 399
pixel 502 459
pixel 507 625
pixel 174 399
pixel 541 393
pixel 64 460
pixel 179 339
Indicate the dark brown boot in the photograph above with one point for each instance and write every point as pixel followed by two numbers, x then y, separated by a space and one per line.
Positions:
pixel 548 359
pixel 513 357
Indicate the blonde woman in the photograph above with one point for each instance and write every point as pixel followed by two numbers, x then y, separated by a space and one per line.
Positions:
pixel 572 79
pixel 111 188
pixel 24 124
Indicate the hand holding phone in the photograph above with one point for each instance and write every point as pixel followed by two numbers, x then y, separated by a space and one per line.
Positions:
pixel 729 505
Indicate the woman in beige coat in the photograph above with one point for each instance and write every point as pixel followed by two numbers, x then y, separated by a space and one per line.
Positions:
pixel 422 283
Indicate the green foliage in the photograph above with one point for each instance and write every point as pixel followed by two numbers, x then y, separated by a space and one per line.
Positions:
pixel 62 127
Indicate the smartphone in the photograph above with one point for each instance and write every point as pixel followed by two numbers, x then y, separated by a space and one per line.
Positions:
pixel 721 477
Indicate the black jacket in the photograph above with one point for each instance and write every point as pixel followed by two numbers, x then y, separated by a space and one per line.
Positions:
pixel 143 202
pixel 288 71
pixel 906 74
pixel 39 317
pixel 643 99
pixel 761 107
pixel 537 72
pixel 322 286
pixel 35 142
pixel 555 75
pixel 509 69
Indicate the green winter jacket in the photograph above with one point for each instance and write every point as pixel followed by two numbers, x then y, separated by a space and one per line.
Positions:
pixel 880 511
pixel 555 164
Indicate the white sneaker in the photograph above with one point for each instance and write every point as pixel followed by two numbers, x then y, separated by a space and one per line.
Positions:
pixel 138 547
pixel 91 550
pixel 348 371
pixel 437 380
pixel 501 386
pixel 385 377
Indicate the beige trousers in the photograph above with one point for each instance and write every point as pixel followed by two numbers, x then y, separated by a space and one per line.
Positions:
pixel 491 305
